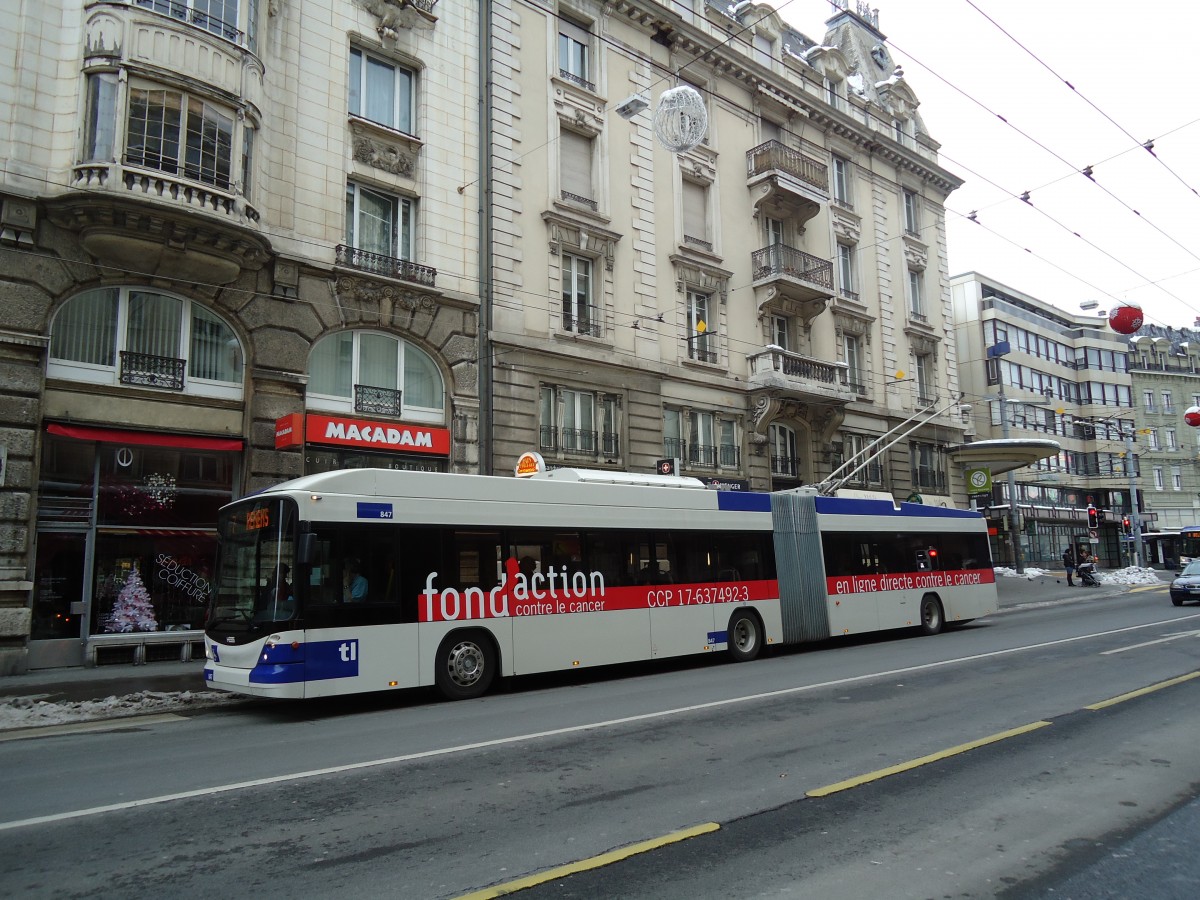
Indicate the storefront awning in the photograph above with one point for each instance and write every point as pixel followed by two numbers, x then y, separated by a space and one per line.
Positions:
pixel 145 438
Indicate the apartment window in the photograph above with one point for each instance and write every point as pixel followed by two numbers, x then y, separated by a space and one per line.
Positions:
pixel 702 448
pixel 673 443
pixel 916 294
pixel 578 422
pixel 785 462
pixel 900 130
pixel 145 339
pixel 381 91
pixel 247 160
pixel 1172 440
pixel 219 17
pixel 854 451
pixel 912 223
pixel 833 92
pixel 841 181
pixel 926 390
pixel 702 344
pixel 578 314
pixel 845 258
pixel 772 231
pixel 574 53
pixel 575 157
pixel 1158 478
pixel 764 49
pixel 928 466
pixel 379 223
pixel 1148 400
pixel 1168 402
pixel 695 215
pixel 377 374
pixel 728 455
pixel 1152 439
pixel 179 133
pixel 852 348
pixel 780 327
pixel 100 122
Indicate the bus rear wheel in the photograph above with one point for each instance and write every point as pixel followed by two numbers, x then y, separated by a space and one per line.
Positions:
pixel 745 636
pixel 932 618
pixel 466 665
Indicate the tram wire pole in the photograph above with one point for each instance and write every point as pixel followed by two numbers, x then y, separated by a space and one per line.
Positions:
pixel 1014 518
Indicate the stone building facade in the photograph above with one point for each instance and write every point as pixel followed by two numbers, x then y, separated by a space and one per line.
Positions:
pixel 759 307
pixel 237 244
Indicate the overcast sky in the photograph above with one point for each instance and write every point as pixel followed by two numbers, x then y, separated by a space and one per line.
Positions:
pixel 1133 63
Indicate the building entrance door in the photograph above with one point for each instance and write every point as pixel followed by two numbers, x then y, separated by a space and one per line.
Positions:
pixel 60 600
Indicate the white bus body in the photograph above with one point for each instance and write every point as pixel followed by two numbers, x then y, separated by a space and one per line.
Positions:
pixel 472 577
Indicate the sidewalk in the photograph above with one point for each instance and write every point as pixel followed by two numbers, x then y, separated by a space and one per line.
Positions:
pixel 79 684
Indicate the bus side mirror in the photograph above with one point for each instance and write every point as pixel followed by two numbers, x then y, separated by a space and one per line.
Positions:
pixel 304 548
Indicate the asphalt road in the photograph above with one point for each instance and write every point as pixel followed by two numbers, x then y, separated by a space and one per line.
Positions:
pixel 409 798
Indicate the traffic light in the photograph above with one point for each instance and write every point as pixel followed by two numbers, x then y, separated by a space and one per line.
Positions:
pixel 1093 517
pixel 1127 526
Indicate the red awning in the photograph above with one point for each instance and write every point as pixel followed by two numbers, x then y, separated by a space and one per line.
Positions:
pixel 146 438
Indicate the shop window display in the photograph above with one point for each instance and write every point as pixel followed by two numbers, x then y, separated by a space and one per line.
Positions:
pixel 148 515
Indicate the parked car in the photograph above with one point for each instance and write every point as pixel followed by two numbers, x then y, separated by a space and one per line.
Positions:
pixel 1186 585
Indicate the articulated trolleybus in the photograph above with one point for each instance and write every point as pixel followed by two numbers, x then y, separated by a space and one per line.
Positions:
pixel 372 579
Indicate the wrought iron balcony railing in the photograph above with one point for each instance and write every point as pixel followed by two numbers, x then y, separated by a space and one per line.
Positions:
pixel 378 401
pixel 388 266
pixel 780 259
pixel 577 440
pixel 576 80
pixel 582 201
pixel 929 479
pixel 547 437
pixel 148 370
pixel 785 466
pixel 610 444
pixel 588 323
pixel 177 9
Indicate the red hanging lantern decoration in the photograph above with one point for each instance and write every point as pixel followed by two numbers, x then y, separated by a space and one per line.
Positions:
pixel 1126 318
pixel 1191 416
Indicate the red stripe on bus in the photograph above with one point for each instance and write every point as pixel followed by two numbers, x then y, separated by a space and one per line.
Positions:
pixel 840 585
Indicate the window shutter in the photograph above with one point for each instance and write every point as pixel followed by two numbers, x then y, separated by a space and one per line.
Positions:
pixel 695 210
pixel 575 151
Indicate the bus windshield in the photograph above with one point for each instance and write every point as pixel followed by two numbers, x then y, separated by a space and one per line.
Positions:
pixel 253 588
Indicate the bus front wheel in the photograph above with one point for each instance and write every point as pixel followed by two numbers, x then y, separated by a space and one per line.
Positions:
pixel 466 665
pixel 932 618
pixel 745 636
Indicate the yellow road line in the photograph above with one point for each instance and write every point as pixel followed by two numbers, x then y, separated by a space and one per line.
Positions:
pixel 924 760
pixel 1141 692
pixel 595 862
pixel 1149 587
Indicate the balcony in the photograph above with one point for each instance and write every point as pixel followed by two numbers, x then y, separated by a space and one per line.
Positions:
pixel 136 181
pixel 785 466
pixel 387 266
pixel 587 322
pixel 379 401
pixel 787 184
pixel 147 370
pixel 792 282
pixel 802 377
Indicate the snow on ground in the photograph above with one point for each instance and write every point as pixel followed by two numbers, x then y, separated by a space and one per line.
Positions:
pixel 1031 572
pixel 1131 575
pixel 28 712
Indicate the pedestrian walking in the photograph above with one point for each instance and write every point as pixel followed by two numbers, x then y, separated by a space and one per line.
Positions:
pixel 1069 564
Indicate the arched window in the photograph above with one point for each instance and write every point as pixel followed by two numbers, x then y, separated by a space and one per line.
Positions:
pixel 375 374
pixel 142 338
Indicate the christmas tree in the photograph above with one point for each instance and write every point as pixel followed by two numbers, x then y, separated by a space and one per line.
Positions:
pixel 133 610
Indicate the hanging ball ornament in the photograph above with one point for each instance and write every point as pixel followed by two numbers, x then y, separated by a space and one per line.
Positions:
pixel 1126 318
pixel 680 122
pixel 1191 416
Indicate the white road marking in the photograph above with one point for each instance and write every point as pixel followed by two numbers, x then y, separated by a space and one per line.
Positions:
pixel 1162 640
pixel 554 732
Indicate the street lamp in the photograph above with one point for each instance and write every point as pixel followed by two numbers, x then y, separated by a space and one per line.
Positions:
pixel 997 350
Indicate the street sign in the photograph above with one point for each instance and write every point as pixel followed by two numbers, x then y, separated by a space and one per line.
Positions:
pixel 979 480
pixel 1093 535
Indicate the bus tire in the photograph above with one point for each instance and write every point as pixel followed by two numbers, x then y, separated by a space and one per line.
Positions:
pixel 932 617
pixel 745 635
pixel 466 665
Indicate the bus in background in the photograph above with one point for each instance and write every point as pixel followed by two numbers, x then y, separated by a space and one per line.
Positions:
pixel 373 579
